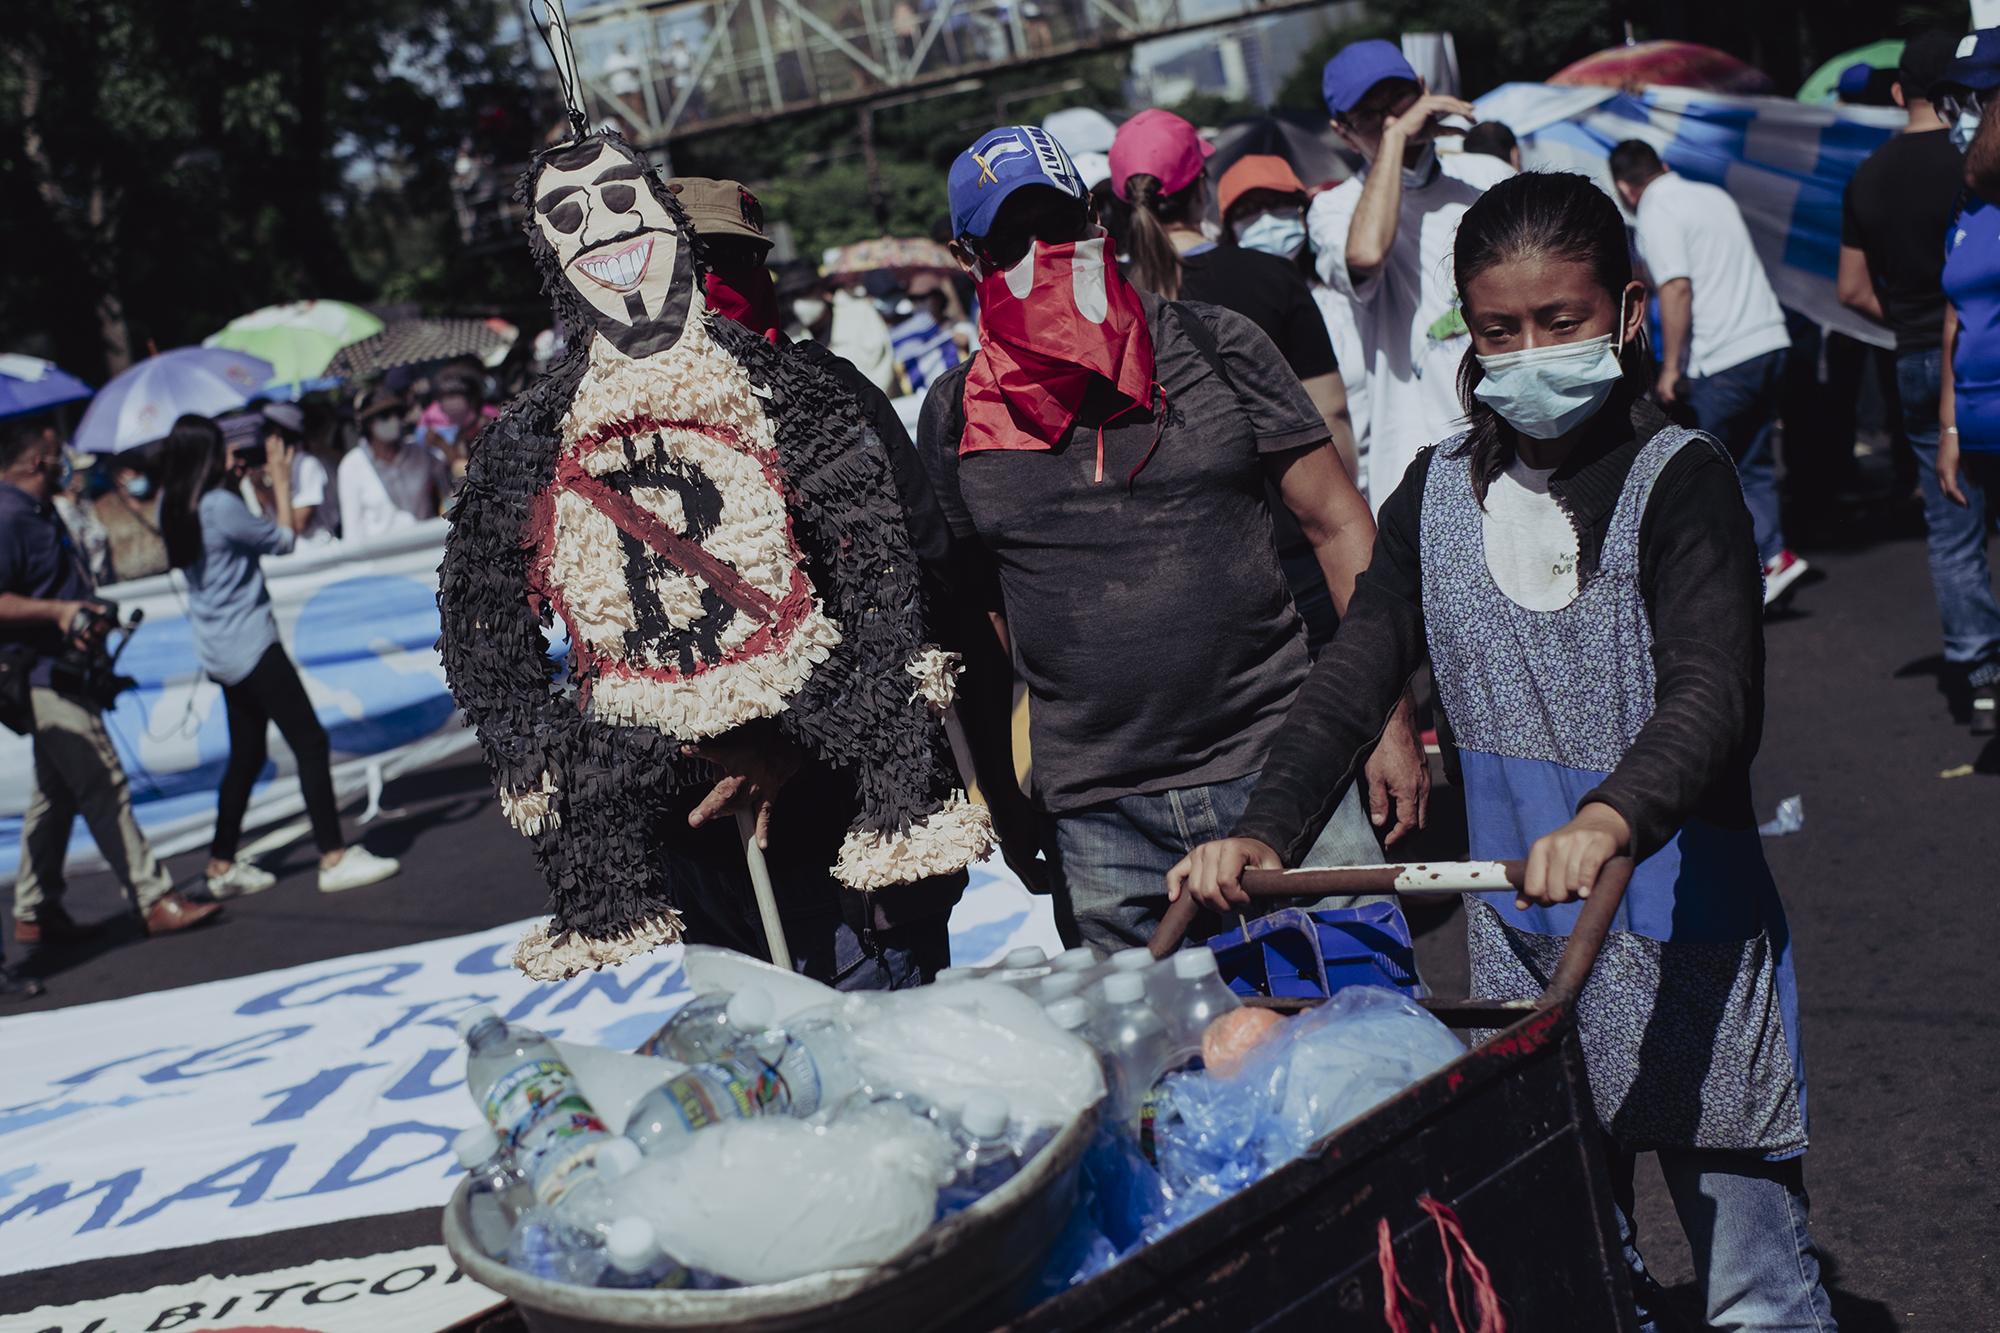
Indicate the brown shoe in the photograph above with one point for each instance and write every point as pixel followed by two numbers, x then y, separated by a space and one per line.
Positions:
pixel 175 912
pixel 51 928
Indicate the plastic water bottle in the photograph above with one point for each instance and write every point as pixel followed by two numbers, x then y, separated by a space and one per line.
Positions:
pixel 548 1246
pixel 634 1260
pixel 1079 959
pixel 499 1192
pixel 1135 1044
pixel 589 1201
pixel 1200 996
pixel 1072 1014
pixel 709 1026
pixel 532 1100
pixel 700 1096
pixel 811 1060
pixel 985 1158
pixel 1057 986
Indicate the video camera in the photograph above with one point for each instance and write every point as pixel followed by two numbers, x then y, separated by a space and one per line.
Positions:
pixel 87 666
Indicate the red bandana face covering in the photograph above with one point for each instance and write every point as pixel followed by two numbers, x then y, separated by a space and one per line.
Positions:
pixel 748 297
pixel 1048 326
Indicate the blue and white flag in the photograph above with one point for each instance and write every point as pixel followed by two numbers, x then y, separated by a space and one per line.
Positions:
pixel 1785 164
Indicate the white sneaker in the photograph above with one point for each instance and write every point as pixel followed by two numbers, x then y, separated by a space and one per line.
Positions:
pixel 358 868
pixel 242 877
pixel 1784 570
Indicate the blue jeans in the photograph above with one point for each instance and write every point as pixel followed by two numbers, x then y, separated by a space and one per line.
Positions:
pixel 1745 1220
pixel 1115 857
pixel 1739 406
pixel 1960 574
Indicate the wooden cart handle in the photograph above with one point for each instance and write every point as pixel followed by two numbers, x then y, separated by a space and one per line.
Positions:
pixel 1579 955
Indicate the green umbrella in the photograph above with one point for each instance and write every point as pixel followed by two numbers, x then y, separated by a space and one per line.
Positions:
pixel 298 338
pixel 1820 88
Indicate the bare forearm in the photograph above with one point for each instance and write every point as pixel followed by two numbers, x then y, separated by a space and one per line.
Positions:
pixel 1676 323
pixel 1329 395
pixel 18 610
pixel 1373 231
pixel 1855 284
pixel 1948 386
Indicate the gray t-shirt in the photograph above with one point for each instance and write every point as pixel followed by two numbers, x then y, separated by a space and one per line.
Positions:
pixel 1150 619
pixel 228 605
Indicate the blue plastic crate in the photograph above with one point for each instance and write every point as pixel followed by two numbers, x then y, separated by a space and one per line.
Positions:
pixel 1300 953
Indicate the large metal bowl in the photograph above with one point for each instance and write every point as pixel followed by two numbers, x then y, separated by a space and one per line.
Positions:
pixel 966 1272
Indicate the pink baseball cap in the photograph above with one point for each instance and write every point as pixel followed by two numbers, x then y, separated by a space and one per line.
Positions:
pixel 1160 144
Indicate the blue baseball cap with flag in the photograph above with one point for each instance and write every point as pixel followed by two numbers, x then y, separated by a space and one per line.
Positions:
pixel 1001 162
pixel 1977 62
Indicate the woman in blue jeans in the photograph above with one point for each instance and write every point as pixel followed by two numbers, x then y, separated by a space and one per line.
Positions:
pixel 1584 577
pixel 219 545
pixel 1968 450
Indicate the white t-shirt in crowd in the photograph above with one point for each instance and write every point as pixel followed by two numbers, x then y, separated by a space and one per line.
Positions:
pixel 311 489
pixel 860 335
pixel 378 498
pixel 1688 229
pixel 1531 548
pixel 1412 385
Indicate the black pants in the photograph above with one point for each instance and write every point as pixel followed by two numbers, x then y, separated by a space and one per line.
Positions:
pixel 273 693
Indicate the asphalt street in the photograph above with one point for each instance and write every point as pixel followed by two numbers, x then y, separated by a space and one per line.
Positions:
pixel 1889 887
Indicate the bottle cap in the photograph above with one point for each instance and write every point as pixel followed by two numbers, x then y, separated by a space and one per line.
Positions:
pixel 630 1243
pixel 1131 960
pixel 1070 1014
pixel 1026 956
pixel 1191 964
pixel 1059 986
pixel 475 1145
pixel 1125 987
pixel 616 1158
pixel 984 1114
pixel 472 1018
pixel 751 1009
pixel 1078 959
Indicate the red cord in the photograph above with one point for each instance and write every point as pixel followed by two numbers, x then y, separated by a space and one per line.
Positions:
pixel 1394 1293
pixel 1452 1240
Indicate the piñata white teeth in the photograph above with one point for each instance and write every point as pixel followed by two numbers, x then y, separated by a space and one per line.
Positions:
pixel 621 270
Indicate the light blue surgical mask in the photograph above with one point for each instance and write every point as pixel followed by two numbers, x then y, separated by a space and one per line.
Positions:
pixel 139 486
pixel 1425 171
pixel 1280 234
pixel 1545 392
pixel 1963 127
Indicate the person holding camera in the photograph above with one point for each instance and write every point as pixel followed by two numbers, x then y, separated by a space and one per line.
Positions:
pixel 50 618
pixel 214 539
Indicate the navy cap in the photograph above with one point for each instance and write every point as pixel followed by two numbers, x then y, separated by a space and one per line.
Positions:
pixel 1000 162
pixel 1358 67
pixel 1977 65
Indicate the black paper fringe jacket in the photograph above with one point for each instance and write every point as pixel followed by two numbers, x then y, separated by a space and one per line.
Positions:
pixel 718 529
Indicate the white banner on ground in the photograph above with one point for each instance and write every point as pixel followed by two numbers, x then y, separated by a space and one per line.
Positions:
pixel 361 622
pixel 407 1291
pixel 307 1095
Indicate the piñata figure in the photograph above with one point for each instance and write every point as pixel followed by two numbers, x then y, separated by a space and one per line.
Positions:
pixel 719 534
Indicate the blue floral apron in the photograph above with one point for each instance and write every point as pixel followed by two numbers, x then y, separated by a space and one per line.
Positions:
pixel 1690 1019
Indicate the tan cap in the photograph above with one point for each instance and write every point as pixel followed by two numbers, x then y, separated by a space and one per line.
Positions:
pixel 720 207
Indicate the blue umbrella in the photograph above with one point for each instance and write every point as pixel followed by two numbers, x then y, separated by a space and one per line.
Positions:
pixel 140 405
pixel 29 384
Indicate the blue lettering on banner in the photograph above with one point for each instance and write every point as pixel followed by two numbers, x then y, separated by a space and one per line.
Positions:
pixel 302 1097
pixel 277 999
pixel 262 1166
pixel 453 1006
pixel 606 984
pixel 494 958
pixel 341 1175
pixel 116 1191
pixel 256 1041
pixel 417 1080
pixel 73 1080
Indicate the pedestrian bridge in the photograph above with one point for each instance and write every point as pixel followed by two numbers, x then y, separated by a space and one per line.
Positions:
pixel 670 68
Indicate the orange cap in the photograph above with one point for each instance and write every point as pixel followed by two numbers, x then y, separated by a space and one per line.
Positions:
pixel 1256 171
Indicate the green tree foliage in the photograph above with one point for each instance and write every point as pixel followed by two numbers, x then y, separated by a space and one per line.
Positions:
pixel 811 173
pixel 172 163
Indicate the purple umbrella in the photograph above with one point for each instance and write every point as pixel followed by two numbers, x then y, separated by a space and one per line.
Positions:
pixel 30 384
pixel 140 405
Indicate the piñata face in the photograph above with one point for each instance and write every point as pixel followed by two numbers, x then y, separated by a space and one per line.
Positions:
pixel 616 244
